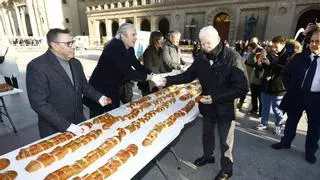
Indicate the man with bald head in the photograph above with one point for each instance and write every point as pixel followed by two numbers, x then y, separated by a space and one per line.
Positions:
pixel 223 78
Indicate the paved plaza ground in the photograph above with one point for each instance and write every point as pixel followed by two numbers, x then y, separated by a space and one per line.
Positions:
pixel 253 157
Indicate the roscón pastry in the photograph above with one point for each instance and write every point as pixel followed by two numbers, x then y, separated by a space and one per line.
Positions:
pixel 112 164
pixel 58 153
pixel 4 163
pixel 8 175
pixel 75 168
pixel 37 148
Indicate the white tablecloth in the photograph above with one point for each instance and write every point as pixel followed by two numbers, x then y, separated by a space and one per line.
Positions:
pixel 133 165
pixel 14 91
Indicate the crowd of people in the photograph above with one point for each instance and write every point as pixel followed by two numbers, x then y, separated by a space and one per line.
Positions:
pixel 281 74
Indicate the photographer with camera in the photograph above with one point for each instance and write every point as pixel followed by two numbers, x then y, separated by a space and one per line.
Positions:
pixel 273 89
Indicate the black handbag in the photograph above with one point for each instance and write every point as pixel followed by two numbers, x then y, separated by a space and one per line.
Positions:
pixel 3 57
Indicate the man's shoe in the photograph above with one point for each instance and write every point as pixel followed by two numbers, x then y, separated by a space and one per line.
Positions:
pixel 204 160
pixel 223 176
pixel 280 145
pixel 311 158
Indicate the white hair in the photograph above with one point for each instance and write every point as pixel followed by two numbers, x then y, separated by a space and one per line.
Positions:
pixel 174 34
pixel 208 31
pixel 123 30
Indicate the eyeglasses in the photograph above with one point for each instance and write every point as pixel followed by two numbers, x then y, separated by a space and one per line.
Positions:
pixel 68 43
pixel 317 42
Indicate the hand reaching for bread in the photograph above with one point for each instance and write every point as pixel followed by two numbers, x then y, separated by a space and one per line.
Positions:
pixel 75 129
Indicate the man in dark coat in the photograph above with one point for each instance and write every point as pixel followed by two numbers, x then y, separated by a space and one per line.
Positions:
pixel 116 63
pixel 223 78
pixel 302 81
pixel 153 60
pixel 55 85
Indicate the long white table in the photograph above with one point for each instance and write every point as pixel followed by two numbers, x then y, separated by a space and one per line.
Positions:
pixel 3 107
pixel 133 165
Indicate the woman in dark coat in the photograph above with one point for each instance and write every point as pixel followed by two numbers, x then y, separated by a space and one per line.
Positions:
pixel 153 60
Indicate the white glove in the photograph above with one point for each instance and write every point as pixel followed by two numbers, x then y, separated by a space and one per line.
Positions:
pixel 75 129
pixel 206 99
pixel 105 101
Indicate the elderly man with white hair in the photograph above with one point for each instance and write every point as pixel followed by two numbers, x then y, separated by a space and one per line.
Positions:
pixel 117 63
pixel 223 78
pixel 171 52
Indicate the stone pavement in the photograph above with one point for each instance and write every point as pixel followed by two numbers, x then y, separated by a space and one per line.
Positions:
pixel 253 157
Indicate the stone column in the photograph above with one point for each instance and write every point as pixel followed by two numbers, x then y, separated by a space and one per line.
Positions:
pixel 121 21
pixel 136 23
pixel 7 22
pixel 91 31
pixel 38 17
pixel 135 3
pixel 109 28
pixel 4 22
pixel 23 21
pixel 153 24
pixel 143 2
pixel 17 11
pixel 33 21
pixel 13 27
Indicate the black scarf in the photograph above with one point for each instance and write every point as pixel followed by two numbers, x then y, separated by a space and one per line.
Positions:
pixel 214 54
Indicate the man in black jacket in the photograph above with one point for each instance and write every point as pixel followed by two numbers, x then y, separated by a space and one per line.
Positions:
pixel 116 63
pixel 223 78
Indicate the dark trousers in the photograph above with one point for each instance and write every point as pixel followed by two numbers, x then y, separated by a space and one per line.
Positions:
pixel 124 94
pixel 226 136
pixel 311 104
pixel 255 97
pixel 96 109
pixel 12 81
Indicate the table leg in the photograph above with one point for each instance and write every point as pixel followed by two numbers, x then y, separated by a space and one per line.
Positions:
pixel 176 156
pixel 1 120
pixel 161 169
pixel 7 114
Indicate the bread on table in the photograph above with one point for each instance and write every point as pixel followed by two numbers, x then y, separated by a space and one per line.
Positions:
pixel 37 148
pixel 8 175
pixel 79 165
pixel 112 164
pixel 58 153
pixel 4 163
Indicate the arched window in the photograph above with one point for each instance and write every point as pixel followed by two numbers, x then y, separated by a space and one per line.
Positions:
pixel 145 25
pixel 115 27
pixel 222 23
pixel 164 26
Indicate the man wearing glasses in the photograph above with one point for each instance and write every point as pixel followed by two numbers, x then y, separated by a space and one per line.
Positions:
pixel 55 85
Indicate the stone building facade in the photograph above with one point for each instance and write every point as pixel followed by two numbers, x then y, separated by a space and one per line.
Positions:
pixel 100 19
pixel 25 18
pixel 234 19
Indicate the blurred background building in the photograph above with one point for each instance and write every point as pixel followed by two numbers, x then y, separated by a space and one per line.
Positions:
pixel 100 19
